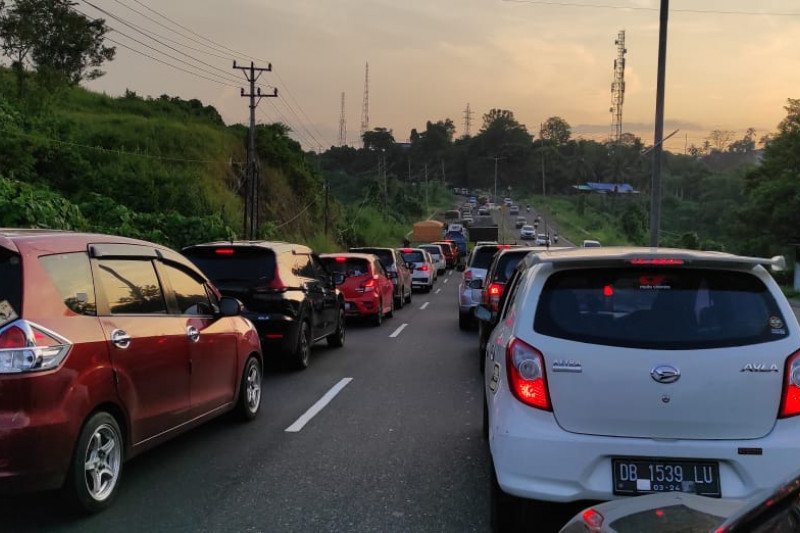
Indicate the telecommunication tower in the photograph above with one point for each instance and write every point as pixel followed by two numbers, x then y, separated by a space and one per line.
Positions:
pixel 365 106
pixel 342 126
pixel 467 121
pixel 618 86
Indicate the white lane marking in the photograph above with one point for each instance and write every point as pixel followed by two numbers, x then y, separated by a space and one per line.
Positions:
pixel 445 281
pixel 319 406
pixel 438 291
pixel 449 272
pixel 398 331
pixel 423 306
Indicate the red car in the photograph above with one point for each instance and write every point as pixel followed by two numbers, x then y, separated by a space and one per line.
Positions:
pixel 109 346
pixel 365 284
pixel 450 252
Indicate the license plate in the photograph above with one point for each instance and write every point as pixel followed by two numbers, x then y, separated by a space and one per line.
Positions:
pixel 633 476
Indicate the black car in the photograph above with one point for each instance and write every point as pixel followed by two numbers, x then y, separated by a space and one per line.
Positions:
pixel 287 293
pixel 395 268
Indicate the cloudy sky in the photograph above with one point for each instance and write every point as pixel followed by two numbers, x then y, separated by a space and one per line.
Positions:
pixel 429 58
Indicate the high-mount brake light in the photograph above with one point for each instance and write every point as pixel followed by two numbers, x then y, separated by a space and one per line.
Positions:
pixel 341 259
pixel 224 251
pixel 656 261
pixel 406 250
pixel 526 376
pixel 26 347
pixel 790 400
pixel 608 290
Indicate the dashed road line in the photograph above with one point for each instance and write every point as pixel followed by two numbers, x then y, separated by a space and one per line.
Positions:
pixel 445 281
pixel 423 306
pixel 438 291
pixel 398 331
pixel 306 417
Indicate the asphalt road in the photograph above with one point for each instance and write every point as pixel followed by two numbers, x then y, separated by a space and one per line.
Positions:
pixel 398 449
pixel 509 233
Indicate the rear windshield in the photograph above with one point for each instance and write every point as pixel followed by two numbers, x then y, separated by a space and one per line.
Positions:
pixel 385 256
pixel 506 265
pixel 227 264
pixel 482 257
pixel 659 308
pixel 433 250
pixel 455 236
pixel 413 257
pixel 349 267
pixel 10 286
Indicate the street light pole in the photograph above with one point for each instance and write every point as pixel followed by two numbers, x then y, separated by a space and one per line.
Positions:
pixel 655 192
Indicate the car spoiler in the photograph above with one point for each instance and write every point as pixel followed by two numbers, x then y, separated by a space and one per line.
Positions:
pixel 568 257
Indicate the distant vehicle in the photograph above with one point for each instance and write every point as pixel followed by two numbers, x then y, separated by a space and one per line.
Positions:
pixel 484 230
pixel 452 215
pixel 450 252
pixel 396 269
pixel 520 221
pixel 513 210
pixel 98 334
pixel 364 283
pixel 469 290
pixel 473 200
pixel 464 191
pixel 422 275
pixel 483 211
pixel 468 220
pixel 287 293
pixel 527 232
pixel 591 244
pixel 508 201
pixel 459 239
pixel 630 371
pixel 455 227
pixel 542 239
pixel 437 252
pixel 483 243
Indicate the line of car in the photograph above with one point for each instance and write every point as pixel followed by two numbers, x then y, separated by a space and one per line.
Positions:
pixel 613 372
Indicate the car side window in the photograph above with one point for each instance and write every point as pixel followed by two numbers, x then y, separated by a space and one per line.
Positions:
pixel 131 287
pixel 71 274
pixel 303 266
pixel 507 300
pixel 190 293
pixel 379 270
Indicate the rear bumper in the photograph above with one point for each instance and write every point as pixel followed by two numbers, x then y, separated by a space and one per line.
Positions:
pixel 276 331
pixel 534 458
pixel 367 305
pixel 468 299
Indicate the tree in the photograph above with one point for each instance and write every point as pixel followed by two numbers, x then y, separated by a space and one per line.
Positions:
pixel 378 139
pixel 720 139
pixel 744 145
pixel 555 131
pixel 60 43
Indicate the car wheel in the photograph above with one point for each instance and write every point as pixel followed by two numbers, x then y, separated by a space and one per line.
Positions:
pixel 485 428
pixel 399 300
pixel 336 339
pixel 464 321
pixel 377 319
pixel 390 314
pixel 408 296
pixel 96 469
pixel 302 352
pixel 250 393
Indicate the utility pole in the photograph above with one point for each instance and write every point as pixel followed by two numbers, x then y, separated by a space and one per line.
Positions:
pixel 251 74
pixel 541 127
pixel 444 177
pixel 496 159
pixel 655 192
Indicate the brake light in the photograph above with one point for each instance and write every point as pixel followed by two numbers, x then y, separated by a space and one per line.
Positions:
pixel 406 250
pixel 593 519
pixel 526 375
pixel 341 259
pixel 608 290
pixel 493 294
pixel 26 347
pixel 657 261
pixel 503 246
pixel 224 251
pixel 368 286
pixel 790 402
pixel 423 268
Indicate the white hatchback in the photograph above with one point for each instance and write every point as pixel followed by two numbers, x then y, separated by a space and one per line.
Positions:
pixel 616 372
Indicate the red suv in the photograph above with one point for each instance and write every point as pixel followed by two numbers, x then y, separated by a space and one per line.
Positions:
pixel 109 346
pixel 450 252
pixel 366 286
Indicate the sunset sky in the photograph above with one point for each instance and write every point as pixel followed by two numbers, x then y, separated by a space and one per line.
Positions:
pixel 429 58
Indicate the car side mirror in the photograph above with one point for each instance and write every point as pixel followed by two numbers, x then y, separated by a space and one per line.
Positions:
pixel 483 314
pixel 230 306
pixel 475 284
pixel 461 267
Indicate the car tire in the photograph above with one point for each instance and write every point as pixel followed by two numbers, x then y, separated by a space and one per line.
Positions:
pixel 485 426
pixel 302 352
pixel 377 318
pixel 390 314
pixel 336 339
pixel 399 299
pixel 464 321
pixel 100 443
pixel 250 390
pixel 408 296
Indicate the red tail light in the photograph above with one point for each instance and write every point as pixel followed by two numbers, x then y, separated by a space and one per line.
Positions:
pixel 26 347
pixel 368 285
pixel 493 294
pixel 657 261
pixel 467 275
pixel 526 377
pixel 423 268
pixel 13 337
pixel 790 402
pixel 592 519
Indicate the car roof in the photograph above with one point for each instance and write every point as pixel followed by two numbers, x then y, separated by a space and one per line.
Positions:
pixel 60 241
pixel 619 254
pixel 275 246
pixel 351 255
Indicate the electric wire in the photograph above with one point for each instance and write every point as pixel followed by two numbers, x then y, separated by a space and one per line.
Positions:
pixel 645 8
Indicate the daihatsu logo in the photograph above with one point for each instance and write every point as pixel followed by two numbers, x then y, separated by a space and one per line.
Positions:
pixel 665 374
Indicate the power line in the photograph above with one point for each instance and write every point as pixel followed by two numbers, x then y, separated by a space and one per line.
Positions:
pixel 225 74
pixel 644 8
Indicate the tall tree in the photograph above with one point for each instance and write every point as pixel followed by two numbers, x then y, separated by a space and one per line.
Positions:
pixel 555 131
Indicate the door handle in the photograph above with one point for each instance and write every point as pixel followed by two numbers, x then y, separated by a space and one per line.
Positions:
pixel 120 339
pixel 193 333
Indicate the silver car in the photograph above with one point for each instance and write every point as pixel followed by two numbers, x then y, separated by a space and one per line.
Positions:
pixel 470 290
